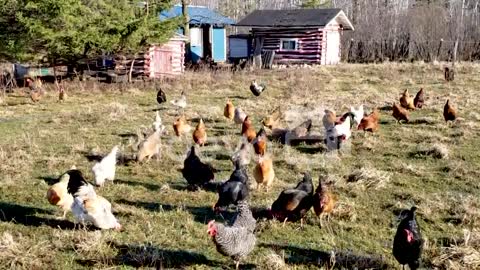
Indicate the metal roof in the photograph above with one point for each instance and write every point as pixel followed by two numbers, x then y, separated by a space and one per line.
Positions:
pixel 198 15
pixel 295 18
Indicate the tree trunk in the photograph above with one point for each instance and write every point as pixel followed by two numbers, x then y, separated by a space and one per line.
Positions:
pixel 186 26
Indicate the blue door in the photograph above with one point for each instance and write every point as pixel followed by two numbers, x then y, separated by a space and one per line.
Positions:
pixel 196 43
pixel 219 49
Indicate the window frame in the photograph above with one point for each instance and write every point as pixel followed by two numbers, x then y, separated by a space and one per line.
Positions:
pixel 289 40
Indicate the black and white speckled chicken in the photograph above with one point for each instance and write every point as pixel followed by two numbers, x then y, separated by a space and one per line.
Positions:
pixel 257 88
pixel 234 242
pixel 244 217
pixel 408 242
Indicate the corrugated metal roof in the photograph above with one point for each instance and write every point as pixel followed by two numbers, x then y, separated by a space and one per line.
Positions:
pixel 198 15
pixel 292 18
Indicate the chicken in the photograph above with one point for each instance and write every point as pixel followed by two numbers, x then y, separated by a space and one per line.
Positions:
pixel 157 124
pixel 150 147
pixel 195 171
pixel 229 110
pixel 61 193
pixel 358 114
pixel 406 101
pixel 247 130
pixel 329 119
pixel 105 169
pixel 323 201
pixel 340 132
pixel 180 126
pixel 239 116
pixel 449 74
pixel 400 113
pixel 260 142
pixel 233 190
pixel 35 96
pixel 370 122
pixel 161 96
pixel 181 102
pixel 256 88
pixel 419 99
pixel 449 112
pixel 244 217
pixel 263 172
pixel 234 242
pixel 61 93
pixel 200 134
pixel 293 204
pixel 242 154
pixel 88 207
pixel 301 130
pixel 408 242
pixel 272 120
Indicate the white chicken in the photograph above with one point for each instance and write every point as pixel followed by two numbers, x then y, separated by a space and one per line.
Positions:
pixel 105 169
pixel 339 133
pixel 358 114
pixel 158 122
pixel 180 102
pixel 239 116
pixel 88 207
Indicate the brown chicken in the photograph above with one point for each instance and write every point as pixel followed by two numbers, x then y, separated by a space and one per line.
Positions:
pixel 247 130
pixel 406 101
pixel 370 122
pixel 323 201
pixel 61 93
pixel 273 119
pixel 419 99
pixel 229 111
pixel 180 126
pixel 400 113
pixel 35 96
pixel 449 112
pixel 260 142
pixel 200 134
pixel 329 119
pixel 263 172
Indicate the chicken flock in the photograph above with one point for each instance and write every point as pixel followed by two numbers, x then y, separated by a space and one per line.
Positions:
pixel 237 239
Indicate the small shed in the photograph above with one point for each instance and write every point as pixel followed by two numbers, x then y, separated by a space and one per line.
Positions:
pixel 208 39
pixel 166 59
pixel 298 36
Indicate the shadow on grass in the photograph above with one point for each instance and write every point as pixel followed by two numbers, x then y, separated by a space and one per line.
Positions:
pixel 149 186
pixel 49 179
pixel 342 259
pixel 25 215
pixel 148 255
pixel 311 150
pixel 237 97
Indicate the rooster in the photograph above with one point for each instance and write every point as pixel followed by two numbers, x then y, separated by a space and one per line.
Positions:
pixel 239 116
pixel 323 201
pixel 195 171
pixel 256 88
pixel 260 142
pixel 449 112
pixel 105 169
pixel 357 114
pixel 61 193
pixel 180 126
pixel 293 204
pixel 419 99
pixel 200 134
pixel 161 96
pixel 406 101
pixel 400 113
pixel 247 130
pixel 229 110
pixel 408 242
pixel 370 122
pixel 181 102
pixel 234 242
pixel 88 207
pixel 263 172
pixel 233 190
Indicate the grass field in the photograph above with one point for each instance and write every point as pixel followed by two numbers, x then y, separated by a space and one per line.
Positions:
pixel 424 163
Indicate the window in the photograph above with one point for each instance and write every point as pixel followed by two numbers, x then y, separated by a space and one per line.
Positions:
pixel 289 44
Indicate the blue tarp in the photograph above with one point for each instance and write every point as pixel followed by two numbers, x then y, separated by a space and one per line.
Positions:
pixel 198 15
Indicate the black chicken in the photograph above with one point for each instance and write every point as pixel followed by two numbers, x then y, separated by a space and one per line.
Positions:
pixel 408 242
pixel 256 88
pixel 195 171
pixel 293 204
pixel 161 96
pixel 233 190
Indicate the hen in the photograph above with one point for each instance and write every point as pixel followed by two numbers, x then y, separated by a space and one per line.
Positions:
pixel 234 242
pixel 263 172
pixel 157 124
pixel 419 99
pixel 61 193
pixel 244 217
pixel 408 242
pixel 247 130
pixel 180 126
pixel 61 93
pixel 358 114
pixel 200 134
pixel 293 204
pixel 239 116
pixel 340 132
pixel 329 119
pixel 181 102
pixel 400 113
pixel 301 130
pixel 449 112
pixel 150 147
pixel 273 119
pixel 242 154
pixel 195 171
pixel 370 122
pixel 161 96
pixel 256 88
pixel 406 101
pixel 323 201
pixel 88 207
pixel 229 110
pixel 233 190
pixel 105 169
pixel 449 74
pixel 260 142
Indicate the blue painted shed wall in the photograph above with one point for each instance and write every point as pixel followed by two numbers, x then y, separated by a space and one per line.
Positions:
pixel 219 50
